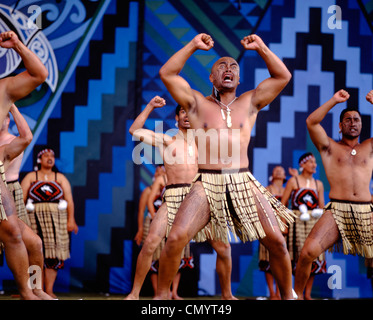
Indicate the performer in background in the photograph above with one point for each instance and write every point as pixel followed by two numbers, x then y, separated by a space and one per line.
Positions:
pixel 50 208
pixel 348 165
pixel 180 158
pixel 306 195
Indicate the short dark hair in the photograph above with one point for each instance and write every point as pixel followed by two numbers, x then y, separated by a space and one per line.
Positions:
pixel 178 108
pixel 344 111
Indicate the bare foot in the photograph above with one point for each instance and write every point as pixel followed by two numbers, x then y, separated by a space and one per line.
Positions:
pixel 51 294
pixel 175 296
pixel 230 297
pixel 131 297
pixel 29 296
pixel 42 295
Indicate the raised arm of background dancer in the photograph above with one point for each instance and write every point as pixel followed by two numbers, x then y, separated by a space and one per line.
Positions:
pixel 137 128
pixel 280 76
pixel 140 215
pixel 317 133
pixel 178 87
pixel 22 84
pixel 18 144
pixel 157 185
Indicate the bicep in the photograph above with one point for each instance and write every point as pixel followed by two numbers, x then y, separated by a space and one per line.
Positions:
pixel 180 90
pixel 15 148
pixel 149 137
pixel 318 136
pixel 267 91
pixel 66 188
pixel 20 86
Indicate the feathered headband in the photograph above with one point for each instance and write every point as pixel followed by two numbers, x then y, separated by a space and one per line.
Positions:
pixel 42 152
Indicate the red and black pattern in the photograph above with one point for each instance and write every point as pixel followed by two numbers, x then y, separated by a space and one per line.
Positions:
pixel 305 196
pixel 45 191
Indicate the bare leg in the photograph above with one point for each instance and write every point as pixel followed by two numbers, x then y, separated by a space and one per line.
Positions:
pixel 50 276
pixel 193 215
pixel 272 286
pixel 175 286
pixel 154 281
pixel 157 232
pixel 34 248
pixel 223 268
pixel 15 250
pixel 274 241
pixel 322 236
pixel 308 290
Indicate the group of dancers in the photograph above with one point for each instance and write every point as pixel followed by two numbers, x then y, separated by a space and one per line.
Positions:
pixel 210 194
pixel 214 195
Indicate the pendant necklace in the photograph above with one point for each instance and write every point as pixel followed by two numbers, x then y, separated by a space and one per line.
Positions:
pixel 227 110
pixel 353 151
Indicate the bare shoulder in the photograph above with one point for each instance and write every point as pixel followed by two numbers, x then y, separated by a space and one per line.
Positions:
pixel 320 183
pixel 291 183
pixel 246 100
pixel 29 177
pixel 62 178
pixel 368 143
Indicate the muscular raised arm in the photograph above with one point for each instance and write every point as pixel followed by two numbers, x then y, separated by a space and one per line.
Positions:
pixel 145 135
pixel 269 88
pixel 316 131
pixel 178 87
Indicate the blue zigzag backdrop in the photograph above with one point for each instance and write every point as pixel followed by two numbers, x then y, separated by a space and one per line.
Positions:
pixel 103 58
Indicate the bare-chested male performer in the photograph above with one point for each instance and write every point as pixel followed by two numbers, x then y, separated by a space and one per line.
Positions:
pixel 225 194
pixel 11 154
pixel 348 166
pixel 180 158
pixel 11 90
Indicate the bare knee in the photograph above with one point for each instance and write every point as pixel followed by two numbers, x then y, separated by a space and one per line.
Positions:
pixel 223 250
pixel 276 245
pixel 36 244
pixel 11 233
pixel 176 240
pixel 309 253
pixel 151 243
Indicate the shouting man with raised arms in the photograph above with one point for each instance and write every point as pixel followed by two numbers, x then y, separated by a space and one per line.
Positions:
pixel 224 193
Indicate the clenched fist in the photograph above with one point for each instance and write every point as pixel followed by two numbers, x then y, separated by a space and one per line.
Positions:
pixel 252 42
pixel 157 102
pixel 8 39
pixel 203 41
pixel 369 96
pixel 341 96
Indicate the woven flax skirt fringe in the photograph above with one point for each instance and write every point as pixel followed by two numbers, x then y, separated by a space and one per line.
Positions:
pixel 297 235
pixel 51 226
pixel 241 188
pixel 174 196
pixel 354 222
pixel 15 190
